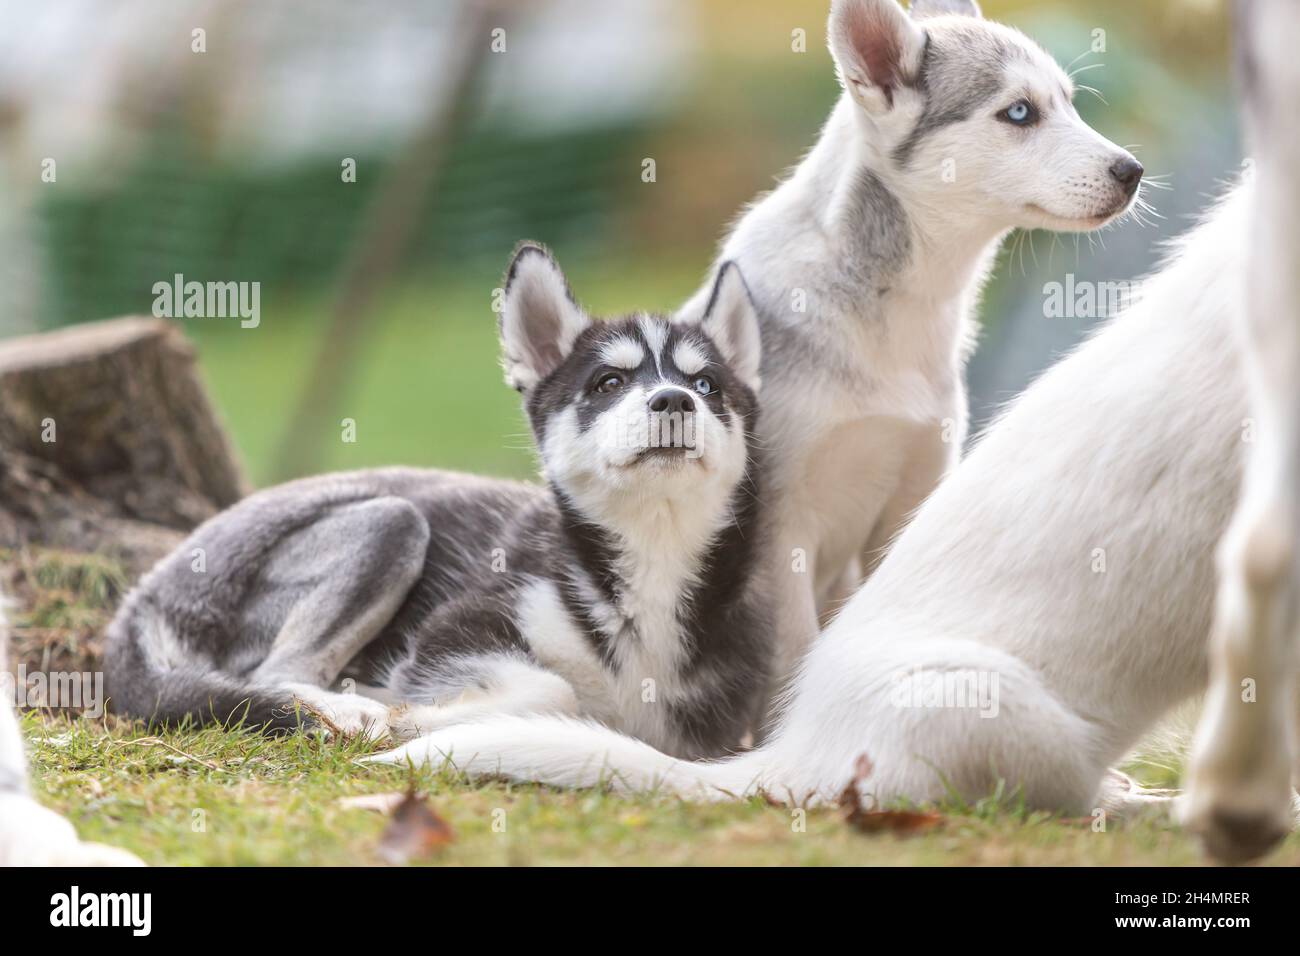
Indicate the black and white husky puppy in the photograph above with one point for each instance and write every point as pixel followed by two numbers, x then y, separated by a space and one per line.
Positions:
pixel 623 591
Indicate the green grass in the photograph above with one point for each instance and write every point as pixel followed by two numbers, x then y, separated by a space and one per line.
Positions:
pixel 214 797
pixel 220 797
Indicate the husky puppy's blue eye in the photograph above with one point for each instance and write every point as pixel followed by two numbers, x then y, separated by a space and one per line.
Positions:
pixel 704 385
pixel 1020 113
pixel 608 383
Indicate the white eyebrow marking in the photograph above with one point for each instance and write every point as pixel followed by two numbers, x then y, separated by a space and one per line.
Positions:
pixel 656 335
pixel 689 358
pixel 622 352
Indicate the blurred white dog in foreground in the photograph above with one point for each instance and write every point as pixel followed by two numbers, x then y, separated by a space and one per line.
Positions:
pixel 1245 757
pixel 31 835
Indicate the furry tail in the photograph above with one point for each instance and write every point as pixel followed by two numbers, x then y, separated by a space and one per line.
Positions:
pixel 565 752
pixel 149 675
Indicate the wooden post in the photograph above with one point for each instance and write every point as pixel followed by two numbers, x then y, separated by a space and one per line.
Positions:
pixel 108 439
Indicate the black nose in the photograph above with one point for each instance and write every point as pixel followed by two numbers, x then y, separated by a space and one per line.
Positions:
pixel 1127 172
pixel 672 400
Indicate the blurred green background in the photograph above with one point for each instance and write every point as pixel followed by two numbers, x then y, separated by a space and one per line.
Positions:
pixel 224 164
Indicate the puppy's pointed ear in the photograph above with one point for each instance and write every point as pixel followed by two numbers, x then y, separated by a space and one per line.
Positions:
pixel 539 318
pixel 937 8
pixel 731 321
pixel 877 49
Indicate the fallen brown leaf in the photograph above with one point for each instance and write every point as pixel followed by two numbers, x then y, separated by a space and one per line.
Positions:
pixel 413 831
pixel 901 822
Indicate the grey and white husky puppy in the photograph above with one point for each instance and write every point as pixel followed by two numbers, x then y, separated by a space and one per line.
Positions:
pixel 866 266
pixel 623 591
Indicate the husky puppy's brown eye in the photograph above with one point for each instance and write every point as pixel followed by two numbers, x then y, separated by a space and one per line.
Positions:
pixel 608 383
pixel 704 385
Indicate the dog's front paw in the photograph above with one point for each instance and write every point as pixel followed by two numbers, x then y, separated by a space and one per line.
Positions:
pixel 347 715
pixel 409 721
pixel 1236 824
pixel 31 835
pixel 1239 797
pixel 402 723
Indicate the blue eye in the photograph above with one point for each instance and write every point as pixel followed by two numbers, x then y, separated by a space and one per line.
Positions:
pixel 1020 113
pixel 704 385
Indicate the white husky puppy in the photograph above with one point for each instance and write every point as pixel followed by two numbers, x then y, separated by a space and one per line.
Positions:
pixel 866 263
pixel 1045 607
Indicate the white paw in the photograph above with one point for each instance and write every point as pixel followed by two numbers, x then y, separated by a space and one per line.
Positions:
pixel 346 715
pixel 1239 797
pixel 31 835
pixel 409 721
pixel 1236 824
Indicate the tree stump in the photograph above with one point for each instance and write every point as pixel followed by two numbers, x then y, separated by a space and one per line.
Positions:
pixel 108 440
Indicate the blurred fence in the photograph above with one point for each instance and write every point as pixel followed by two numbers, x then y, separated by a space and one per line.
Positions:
pixel 218 154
